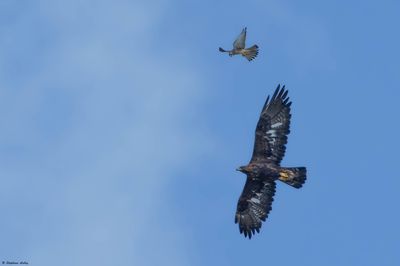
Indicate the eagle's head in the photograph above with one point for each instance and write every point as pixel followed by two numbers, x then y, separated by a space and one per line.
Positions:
pixel 252 169
pixel 242 169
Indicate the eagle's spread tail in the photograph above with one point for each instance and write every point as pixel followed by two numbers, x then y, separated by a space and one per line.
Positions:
pixel 251 52
pixel 293 176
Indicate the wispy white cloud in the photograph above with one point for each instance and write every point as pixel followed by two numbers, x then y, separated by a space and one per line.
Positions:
pixel 96 124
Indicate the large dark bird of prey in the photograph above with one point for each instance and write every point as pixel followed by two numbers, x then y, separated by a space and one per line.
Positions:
pixel 264 167
pixel 239 47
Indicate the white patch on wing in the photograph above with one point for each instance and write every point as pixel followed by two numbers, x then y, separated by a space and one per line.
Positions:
pixel 277 125
pixel 272 132
pixel 255 200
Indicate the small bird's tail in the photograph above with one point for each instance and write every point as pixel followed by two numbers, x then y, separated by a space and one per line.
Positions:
pixel 293 176
pixel 251 52
pixel 222 50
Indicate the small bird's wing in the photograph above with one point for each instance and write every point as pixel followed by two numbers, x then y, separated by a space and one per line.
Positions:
pixel 273 128
pixel 254 205
pixel 240 41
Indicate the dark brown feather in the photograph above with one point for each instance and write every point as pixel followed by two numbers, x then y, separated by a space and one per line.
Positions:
pixel 272 128
pixel 254 205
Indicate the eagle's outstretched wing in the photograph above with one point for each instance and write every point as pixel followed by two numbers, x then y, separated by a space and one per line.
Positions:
pixel 240 41
pixel 273 128
pixel 254 205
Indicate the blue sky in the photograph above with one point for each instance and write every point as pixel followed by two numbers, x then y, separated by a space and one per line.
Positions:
pixel 121 126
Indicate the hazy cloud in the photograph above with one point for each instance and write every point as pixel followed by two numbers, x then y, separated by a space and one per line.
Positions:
pixel 96 127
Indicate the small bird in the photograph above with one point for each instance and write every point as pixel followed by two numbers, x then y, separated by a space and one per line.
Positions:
pixel 239 47
pixel 265 165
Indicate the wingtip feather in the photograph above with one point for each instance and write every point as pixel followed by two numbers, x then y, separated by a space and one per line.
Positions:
pixel 285 94
pixel 275 93
pixel 265 104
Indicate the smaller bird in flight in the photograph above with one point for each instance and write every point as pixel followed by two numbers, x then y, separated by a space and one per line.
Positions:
pixel 239 47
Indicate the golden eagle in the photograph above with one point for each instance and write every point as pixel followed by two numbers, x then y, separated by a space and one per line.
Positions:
pixel 239 47
pixel 264 168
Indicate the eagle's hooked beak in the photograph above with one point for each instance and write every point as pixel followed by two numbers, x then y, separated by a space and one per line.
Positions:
pixel 240 169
